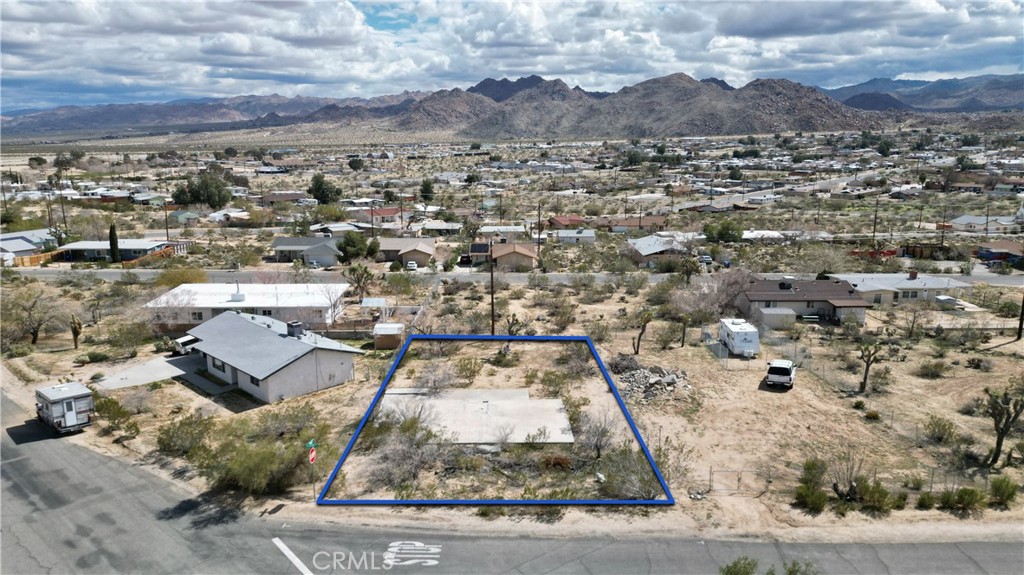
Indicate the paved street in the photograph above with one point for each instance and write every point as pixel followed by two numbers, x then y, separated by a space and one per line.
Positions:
pixel 67 509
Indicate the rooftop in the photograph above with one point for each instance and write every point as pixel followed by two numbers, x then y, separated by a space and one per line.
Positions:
pixel 218 296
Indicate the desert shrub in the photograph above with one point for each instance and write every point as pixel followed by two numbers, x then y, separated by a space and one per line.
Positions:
pixel 809 494
pixel 186 436
pixel 874 497
pixel 939 429
pixel 118 417
pixel 504 359
pixel 554 383
pixel 925 501
pixel 666 336
pixel 581 282
pixel 577 360
pixel 467 368
pixel 1007 309
pixel 628 474
pixel 599 331
pixel 872 415
pixel 163 345
pixel 396 266
pixel 555 461
pixel 20 350
pixel 1002 491
pixel 741 566
pixel 972 407
pixel 899 501
pixel 965 501
pixel 135 400
pixel 859 405
pixel 623 363
pixel 537 281
pixel 915 482
pixel 932 369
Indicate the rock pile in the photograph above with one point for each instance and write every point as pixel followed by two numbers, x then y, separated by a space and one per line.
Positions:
pixel 649 383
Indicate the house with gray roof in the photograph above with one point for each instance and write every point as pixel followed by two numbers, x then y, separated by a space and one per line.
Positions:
pixel 649 250
pixel 269 359
pixel 883 289
pixel 93 250
pixel 824 300
pixel 322 250
pixel 578 236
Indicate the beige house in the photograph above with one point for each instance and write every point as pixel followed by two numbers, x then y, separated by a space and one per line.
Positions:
pixel 405 250
pixel 884 289
pixel 825 300
pixel 514 256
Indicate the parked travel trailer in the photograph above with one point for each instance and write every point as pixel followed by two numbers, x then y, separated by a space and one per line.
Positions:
pixel 739 337
pixel 65 407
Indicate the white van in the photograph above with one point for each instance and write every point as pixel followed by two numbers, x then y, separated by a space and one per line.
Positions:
pixel 781 372
pixel 183 345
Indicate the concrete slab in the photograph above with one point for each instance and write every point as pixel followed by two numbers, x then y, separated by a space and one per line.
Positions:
pixel 477 416
pixel 156 369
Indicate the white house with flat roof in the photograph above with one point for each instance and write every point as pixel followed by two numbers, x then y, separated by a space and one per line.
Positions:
pixel 881 289
pixel 100 249
pixel 315 305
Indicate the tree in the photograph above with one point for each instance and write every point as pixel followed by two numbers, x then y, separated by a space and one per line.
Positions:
pixel 352 246
pixel 735 173
pixel 911 316
pixel 115 248
pixel 597 432
pixel 1004 409
pixel 230 152
pixel 356 164
pixel 688 267
pixel 427 190
pixel 644 318
pixel 373 248
pixel 36 162
pixel 473 179
pixel 30 309
pixel 360 277
pixel 725 231
pixel 869 352
pixel 323 191
pixel 689 308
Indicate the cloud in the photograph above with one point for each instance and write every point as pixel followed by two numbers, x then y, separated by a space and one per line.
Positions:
pixel 86 52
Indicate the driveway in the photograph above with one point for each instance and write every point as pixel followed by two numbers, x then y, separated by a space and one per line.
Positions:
pixel 156 369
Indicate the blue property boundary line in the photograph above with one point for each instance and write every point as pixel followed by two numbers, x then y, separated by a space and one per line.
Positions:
pixel 669 500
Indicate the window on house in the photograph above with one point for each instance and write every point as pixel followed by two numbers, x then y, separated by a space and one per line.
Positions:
pixel 267 312
pixel 771 304
pixel 811 304
pixel 910 295
pixel 218 364
pixel 878 298
pixel 197 316
pixel 254 381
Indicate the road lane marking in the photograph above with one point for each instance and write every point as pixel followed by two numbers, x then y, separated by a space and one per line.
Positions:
pixel 291 556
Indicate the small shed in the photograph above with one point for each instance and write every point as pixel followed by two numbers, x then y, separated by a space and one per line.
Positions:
pixel 774 317
pixel 66 407
pixel 945 302
pixel 388 335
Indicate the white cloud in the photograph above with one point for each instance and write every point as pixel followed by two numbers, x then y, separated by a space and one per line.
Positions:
pixel 100 51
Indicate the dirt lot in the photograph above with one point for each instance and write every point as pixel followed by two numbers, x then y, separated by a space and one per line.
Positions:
pixel 744 444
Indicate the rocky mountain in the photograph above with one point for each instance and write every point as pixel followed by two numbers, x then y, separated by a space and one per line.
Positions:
pixel 973 94
pixel 717 82
pixel 532 107
pixel 875 101
pixel 263 110
pixel 501 90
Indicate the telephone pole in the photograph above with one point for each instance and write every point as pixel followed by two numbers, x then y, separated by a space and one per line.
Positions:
pixel 492 286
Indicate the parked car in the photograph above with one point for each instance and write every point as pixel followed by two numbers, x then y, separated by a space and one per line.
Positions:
pixel 412 266
pixel 781 372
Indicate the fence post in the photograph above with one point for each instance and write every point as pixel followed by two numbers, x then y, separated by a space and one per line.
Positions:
pixel 711 477
pixel 931 480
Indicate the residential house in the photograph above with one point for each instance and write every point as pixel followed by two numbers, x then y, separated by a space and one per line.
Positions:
pixel 13 248
pixel 662 246
pixel 1001 250
pixel 479 253
pixel 269 359
pixel 514 257
pixel 884 289
pixel 567 222
pixel 228 214
pixel 316 305
pixel 441 228
pixel 289 196
pixel 319 250
pixel 578 236
pixel 630 224
pixel 38 238
pixel 130 249
pixel 183 217
pixel 379 216
pixel 506 232
pixel 995 224
pixel 333 230
pixel 405 250
pixel 828 300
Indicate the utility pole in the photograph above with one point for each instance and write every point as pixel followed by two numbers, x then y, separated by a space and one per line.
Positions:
pixel 988 206
pixel 492 286
pixel 942 235
pixel 538 235
pixel 373 230
pixel 874 225
pixel 1020 322
pixel 167 227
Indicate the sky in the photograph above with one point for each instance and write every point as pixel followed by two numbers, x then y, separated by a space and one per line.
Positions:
pixel 115 51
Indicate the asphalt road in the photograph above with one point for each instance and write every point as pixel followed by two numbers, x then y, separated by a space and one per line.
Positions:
pixel 67 509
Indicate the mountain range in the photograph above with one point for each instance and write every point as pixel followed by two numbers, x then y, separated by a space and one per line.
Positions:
pixel 533 107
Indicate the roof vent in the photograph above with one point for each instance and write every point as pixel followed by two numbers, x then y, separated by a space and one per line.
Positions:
pixel 785 285
pixel 295 329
